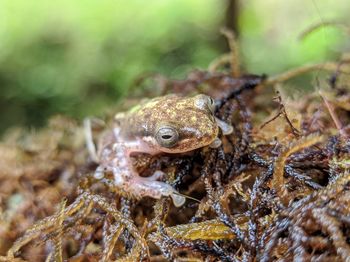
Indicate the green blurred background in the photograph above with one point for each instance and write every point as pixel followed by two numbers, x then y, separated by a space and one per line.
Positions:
pixel 80 57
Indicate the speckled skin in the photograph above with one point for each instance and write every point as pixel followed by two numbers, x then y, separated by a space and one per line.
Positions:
pixel 135 131
pixel 193 120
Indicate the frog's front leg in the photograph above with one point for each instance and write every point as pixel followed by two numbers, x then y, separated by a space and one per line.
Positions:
pixel 126 178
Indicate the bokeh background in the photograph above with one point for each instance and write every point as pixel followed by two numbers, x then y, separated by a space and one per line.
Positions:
pixel 80 57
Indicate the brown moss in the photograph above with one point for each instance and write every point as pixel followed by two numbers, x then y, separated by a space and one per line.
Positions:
pixel 277 188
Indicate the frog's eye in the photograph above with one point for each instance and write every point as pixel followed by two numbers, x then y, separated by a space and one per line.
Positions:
pixel 211 104
pixel 204 102
pixel 167 136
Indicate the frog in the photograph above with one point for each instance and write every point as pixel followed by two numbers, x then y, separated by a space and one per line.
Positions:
pixel 170 124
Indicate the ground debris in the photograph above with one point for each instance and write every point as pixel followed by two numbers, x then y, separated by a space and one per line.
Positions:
pixel 278 188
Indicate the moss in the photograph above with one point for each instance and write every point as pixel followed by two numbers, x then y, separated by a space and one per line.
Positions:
pixel 277 187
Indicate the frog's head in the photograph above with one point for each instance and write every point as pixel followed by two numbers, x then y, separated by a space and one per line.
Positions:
pixel 184 124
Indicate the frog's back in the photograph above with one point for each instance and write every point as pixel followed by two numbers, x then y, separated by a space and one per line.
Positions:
pixel 191 117
pixel 142 119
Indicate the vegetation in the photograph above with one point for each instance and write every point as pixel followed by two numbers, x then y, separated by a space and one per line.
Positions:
pixel 79 58
pixel 277 188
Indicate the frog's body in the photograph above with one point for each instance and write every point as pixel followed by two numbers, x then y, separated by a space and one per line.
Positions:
pixel 169 124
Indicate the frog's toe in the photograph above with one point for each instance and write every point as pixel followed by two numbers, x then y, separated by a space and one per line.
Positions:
pixel 99 173
pixel 158 175
pixel 216 143
pixel 178 200
pixel 147 186
pixel 225 127
pixel 163 189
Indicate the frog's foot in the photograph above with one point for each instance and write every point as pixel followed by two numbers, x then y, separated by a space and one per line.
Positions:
pixel 216 143
pixel 99 173
pixel 225 127
pixel 148 186
pixel 156 189
pixel 89 140
pixel 158 175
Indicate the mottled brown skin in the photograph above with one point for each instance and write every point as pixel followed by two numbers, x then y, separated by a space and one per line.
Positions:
pixel 191 116
pixel 145 129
